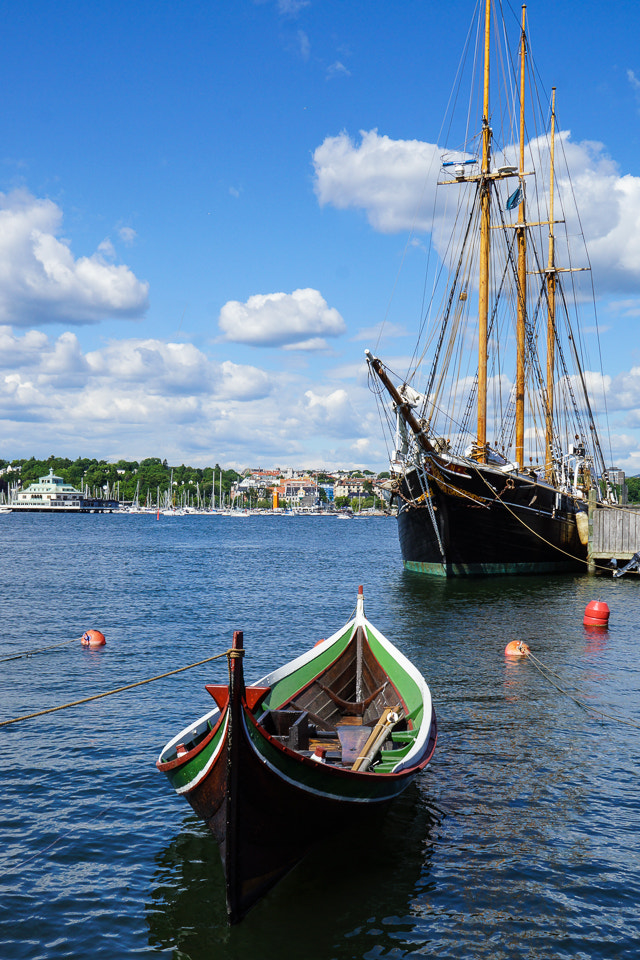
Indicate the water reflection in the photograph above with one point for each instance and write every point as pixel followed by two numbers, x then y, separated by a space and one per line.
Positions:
pixel 357 892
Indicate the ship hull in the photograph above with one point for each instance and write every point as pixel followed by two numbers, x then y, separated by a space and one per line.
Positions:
pixel 475 521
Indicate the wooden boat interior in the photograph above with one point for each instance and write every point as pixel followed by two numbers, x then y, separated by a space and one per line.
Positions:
pixel 333 717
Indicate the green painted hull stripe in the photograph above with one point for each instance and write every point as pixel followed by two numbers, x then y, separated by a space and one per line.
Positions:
pixel 318 780
pixel 488 569
pixel 286 688
pixel 408 689
pixel 181 777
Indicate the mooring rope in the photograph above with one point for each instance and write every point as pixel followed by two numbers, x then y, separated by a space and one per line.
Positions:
pixel 108 693
pixel 30 653
pixel 548 674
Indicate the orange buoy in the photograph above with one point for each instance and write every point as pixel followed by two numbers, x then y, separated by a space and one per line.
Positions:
pixel 596 614
pixel 517 648
pixel 93 638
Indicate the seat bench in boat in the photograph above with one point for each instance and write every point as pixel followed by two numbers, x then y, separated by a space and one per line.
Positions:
pixel 342 744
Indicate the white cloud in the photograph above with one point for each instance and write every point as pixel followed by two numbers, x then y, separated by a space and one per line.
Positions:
pixel 381 176
pixel 304 46
pixel 381 331
pixel 313 345
pixel 394 181
pixel 41 282
pixel 334 413
pixel 242 382
pixel 146 397
pixel 106 248
pixel 623 391
pixel 291 8
pixel 127 235
pixel 295 320
pixel 337 69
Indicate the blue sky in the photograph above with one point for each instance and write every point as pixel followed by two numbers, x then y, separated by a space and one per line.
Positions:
pixel 200 229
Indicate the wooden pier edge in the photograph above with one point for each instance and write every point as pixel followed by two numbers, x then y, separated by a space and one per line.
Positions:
pixel 614 532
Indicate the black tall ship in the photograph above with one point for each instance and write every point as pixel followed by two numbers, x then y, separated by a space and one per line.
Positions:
pixel 507 353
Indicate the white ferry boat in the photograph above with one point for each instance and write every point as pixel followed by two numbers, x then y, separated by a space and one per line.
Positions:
pixel 52 495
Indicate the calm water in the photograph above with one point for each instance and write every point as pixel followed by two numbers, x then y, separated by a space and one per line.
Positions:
pixel 520 840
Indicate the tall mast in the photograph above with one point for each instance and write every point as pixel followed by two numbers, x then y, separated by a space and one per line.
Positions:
pixel 522 267
pixel 551 306
pixel 485 223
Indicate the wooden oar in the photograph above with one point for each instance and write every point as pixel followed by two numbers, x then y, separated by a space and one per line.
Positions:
pixel 379 734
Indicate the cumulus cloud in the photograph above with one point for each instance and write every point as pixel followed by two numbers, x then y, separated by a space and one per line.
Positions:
pixel 146 397
pixel 333 413
pixel 299 320
pixel 623 391
pixel 394 183
pixel 41 281
pixel 381 176
pixel 243 382
pixel 130 372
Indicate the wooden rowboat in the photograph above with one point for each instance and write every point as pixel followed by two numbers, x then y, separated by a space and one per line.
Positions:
pixel 310 748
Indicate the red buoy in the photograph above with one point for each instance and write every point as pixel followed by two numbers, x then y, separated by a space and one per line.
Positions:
pixel 517 648
pixel 93 638
pixel 596 614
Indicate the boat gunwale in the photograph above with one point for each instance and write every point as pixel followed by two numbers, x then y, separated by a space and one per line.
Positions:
pixel 165 765
pixel 360 619
pixel 336 769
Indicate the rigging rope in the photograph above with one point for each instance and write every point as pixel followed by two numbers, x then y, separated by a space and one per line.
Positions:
pixel 108 693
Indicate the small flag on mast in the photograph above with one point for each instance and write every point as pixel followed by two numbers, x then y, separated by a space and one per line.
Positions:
pixel 514 199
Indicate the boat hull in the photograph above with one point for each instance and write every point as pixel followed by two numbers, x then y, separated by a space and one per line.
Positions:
pixel 268 807
pixel 477 522
pixel 280 807
pixel 283 763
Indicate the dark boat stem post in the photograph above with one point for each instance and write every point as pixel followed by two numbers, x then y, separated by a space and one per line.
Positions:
pixel 234 733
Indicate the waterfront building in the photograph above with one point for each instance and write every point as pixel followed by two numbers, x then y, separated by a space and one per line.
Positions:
pixel 52 495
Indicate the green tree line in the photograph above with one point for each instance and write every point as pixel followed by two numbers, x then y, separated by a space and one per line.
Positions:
pixel 127 478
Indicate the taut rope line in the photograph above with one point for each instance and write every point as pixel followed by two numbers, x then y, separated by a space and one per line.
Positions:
pixel 129 686
pixel 30 653
pixel 549 674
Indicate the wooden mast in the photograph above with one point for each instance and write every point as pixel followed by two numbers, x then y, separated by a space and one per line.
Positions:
pixel 485 223
pixel 551 306
pixel 522 268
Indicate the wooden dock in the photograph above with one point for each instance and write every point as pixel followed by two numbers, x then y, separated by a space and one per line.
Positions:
pixel 614 532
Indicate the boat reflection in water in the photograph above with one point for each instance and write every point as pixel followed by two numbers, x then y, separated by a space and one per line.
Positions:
pixel 360 889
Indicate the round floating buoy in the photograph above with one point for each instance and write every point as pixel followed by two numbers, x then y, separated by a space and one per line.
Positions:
pixel 516 648
pixel 93 638
pixel 596 614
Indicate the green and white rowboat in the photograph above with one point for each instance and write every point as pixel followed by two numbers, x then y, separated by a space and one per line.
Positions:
pixel 336 734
